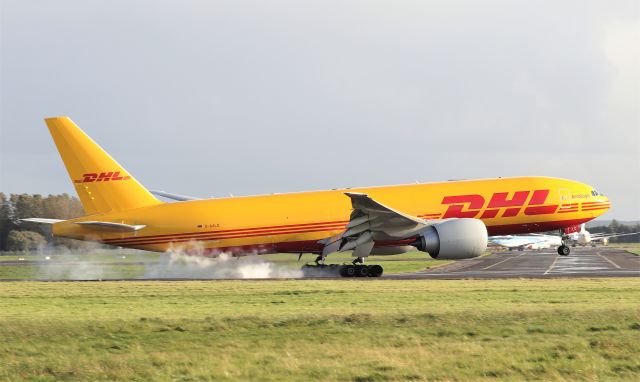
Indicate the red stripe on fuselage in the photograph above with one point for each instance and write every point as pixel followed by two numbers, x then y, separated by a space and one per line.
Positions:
pixel 228 231
pixel 512 229
pixel 228 236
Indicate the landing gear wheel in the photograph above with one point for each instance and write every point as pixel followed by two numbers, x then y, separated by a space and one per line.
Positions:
pixel 348 271
pixel 362 270
pixel 564 250
pixel 375 271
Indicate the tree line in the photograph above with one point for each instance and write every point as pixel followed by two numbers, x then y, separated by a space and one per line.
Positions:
pixel 21 236
pixel 616 227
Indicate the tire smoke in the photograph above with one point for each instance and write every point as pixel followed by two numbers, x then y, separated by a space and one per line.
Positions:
pixel 187 261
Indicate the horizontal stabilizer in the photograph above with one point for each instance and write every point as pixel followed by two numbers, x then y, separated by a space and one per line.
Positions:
pixel 112 226
pixel 42 220
pixel 180 198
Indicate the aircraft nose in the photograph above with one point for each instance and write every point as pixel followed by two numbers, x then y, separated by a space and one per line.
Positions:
pixel 605 203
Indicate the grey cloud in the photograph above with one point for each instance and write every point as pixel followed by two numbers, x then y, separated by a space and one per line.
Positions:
pixel 253 97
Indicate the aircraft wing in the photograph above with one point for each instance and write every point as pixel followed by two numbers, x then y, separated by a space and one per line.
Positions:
pixel 612 235
pixel 513 242
pixel 369 221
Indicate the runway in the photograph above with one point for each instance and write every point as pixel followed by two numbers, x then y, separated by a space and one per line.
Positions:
pixel 583 262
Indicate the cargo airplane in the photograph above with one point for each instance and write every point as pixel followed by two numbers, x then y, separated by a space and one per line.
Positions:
pixel 574 237
pixel 522 242
pixel 448 220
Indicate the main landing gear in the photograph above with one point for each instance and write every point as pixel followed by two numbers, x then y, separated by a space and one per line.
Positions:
pixel 356 269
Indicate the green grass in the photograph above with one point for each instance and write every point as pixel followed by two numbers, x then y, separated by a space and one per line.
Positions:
pixel 106 255
pixel 114 264
pixel 349 330
pixel 629 247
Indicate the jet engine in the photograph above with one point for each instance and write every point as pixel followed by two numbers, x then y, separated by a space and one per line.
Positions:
pixel 454 239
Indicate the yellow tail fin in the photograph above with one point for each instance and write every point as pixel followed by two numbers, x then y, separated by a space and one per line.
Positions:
pixel 101 183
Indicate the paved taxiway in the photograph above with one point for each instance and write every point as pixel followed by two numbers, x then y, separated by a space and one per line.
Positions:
pixel 583 262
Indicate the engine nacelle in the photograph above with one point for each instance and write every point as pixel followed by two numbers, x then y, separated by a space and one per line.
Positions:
pixel 454 239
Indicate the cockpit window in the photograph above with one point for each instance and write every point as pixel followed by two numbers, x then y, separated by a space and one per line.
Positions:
pixel 595 193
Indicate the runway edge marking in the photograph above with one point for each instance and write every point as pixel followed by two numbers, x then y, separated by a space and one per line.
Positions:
pixel 610 261
pixel 502 261
pixel 551 266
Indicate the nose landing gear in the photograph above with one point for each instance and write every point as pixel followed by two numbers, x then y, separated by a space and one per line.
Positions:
pixel 564 250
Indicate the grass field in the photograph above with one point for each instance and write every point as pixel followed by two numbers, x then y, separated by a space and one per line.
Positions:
pixel 350 330
pixel 629 247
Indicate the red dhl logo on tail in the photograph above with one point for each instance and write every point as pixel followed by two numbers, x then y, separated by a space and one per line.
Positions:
pixel 469 206
pixel 101 177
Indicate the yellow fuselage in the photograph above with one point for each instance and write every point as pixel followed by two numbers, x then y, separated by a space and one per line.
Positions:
pixel 295 222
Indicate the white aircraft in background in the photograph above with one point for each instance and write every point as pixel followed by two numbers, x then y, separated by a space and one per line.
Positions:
pixel 522 242
pixel 584 237
pixel 542 241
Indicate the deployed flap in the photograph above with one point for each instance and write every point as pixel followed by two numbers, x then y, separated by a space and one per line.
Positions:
pixel 365 205
pixel 371 220
pixel 112 226
pixel 42 220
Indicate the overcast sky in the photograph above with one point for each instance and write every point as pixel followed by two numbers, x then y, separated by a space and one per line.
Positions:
pixel 208 98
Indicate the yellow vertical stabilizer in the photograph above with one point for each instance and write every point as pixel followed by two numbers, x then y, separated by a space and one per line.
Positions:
pixel 101 183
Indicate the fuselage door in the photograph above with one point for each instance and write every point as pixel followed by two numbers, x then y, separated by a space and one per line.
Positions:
pixel 565 197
